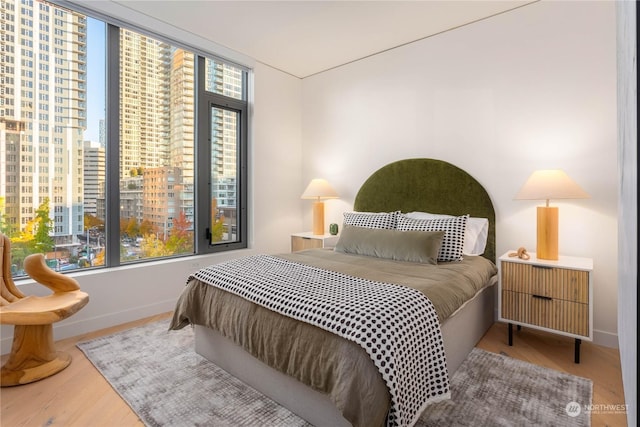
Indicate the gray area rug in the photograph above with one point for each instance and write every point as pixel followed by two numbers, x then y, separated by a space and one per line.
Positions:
pixel 166 383
pixel 491 389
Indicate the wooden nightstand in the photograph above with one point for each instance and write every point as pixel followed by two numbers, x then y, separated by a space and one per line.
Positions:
pixel 308 240
pixel 553 296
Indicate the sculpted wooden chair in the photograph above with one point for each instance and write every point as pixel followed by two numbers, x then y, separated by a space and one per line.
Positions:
pixel 33 355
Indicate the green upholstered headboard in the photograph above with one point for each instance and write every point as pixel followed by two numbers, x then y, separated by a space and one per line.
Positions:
pixel 428 185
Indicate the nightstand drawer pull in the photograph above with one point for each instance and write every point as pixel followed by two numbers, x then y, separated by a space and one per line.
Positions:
pixel 544 267
pixel 542 297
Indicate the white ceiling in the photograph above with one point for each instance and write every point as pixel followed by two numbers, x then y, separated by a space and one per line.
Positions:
pixel 303 38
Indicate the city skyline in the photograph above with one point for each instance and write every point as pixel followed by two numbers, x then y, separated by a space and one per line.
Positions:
pixel 53 103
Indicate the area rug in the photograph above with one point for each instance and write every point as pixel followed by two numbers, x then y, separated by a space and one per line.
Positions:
pixel 166 383
pixel 491 389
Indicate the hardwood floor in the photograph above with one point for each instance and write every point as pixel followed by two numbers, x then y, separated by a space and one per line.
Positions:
pixel 80 396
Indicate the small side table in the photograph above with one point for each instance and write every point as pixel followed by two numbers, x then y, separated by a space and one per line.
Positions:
pixel 552 296
pixel 308 240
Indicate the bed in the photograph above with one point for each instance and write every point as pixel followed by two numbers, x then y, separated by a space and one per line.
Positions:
pixel 330 380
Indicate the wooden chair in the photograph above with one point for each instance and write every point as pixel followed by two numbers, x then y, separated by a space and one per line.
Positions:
pixel 33 355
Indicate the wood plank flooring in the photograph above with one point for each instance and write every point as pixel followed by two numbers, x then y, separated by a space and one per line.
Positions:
pixel 80 397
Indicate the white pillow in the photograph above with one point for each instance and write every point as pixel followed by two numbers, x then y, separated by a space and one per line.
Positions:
pixel 453 239
pixel 475 235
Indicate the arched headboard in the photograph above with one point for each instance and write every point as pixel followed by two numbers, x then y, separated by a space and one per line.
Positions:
pixel 428 185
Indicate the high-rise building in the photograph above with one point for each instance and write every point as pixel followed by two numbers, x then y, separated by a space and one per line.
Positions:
pixel 144 102
pixel 11 135
pixel 42 113
pixel 183 129
pixel 94 174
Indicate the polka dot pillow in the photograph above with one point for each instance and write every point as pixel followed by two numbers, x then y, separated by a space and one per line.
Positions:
pixel 453 240
pixel 385 220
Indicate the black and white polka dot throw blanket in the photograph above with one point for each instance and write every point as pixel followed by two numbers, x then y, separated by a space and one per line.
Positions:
pixel 396 325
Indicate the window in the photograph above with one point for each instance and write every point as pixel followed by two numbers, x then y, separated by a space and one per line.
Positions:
pixel 223 118
pixel 144 158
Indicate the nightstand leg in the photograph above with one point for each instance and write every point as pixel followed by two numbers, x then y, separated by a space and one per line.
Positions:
pixel 577 350
pixel 510 334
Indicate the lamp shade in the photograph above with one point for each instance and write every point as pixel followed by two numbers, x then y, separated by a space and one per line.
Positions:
pixel 319 189
pixel 545 185
pixel 550 184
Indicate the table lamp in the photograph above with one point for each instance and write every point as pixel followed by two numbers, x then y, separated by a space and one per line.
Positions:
pixel 546 185
pixel 318 190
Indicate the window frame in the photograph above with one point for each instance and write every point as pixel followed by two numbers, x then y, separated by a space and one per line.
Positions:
pixel 206 101
pixel 203 101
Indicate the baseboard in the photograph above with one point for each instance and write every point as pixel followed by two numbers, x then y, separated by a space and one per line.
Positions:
pixel 605 339
pixel 72 327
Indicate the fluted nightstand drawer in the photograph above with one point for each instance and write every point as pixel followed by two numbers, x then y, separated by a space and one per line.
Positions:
pixel 546 312
pixel 558 283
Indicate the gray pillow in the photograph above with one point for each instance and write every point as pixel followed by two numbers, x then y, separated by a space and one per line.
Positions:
pixel 453 240
pixel 411 246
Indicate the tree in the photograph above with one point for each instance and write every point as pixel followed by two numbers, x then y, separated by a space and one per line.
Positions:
pixel 129 227
pixel 136 171
pixel 146 227
pixel 34 238
pixel 5 228
pixel 152 247
pixel 217 229
pixel 91 221
pixel 181 239
pixel 99 259
pixel 132 229
pixel 123 226
pixel 43 241
pixel 217 225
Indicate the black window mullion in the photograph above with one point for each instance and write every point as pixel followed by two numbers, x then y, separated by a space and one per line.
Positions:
pixel 202 162
pixel 112 154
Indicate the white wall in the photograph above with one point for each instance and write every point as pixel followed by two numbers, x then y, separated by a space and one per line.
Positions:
pixel 531 89
pixel 628 208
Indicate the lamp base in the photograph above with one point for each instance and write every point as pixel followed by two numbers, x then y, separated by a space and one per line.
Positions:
pixel 547 244
pixel 318 218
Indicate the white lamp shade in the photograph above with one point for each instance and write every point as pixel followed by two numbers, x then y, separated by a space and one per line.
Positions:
pixel 319 189
pixel 550 184
pixel 545 185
